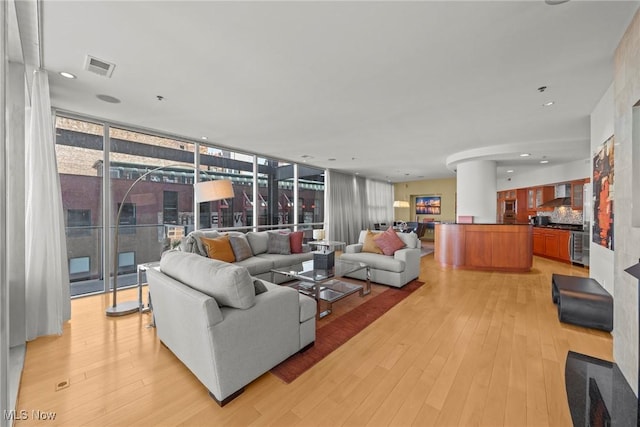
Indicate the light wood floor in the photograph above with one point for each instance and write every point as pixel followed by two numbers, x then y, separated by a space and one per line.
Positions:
pixel 468 349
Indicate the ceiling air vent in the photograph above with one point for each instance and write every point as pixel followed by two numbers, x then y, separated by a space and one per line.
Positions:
pixel 99 66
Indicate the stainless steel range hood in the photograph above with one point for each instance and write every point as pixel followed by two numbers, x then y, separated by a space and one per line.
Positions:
pixel 563 197
pixel 557 202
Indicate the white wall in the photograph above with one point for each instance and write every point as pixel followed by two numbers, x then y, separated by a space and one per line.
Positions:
pixel 543 175
pixel 476 185
pixel 627 237
pixel 602 127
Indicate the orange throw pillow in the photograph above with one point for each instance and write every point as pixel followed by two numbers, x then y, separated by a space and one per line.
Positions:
pixel 369 244
pixel 219 248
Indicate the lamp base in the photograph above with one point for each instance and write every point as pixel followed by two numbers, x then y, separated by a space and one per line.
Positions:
pixel 323 260
pixel 123 309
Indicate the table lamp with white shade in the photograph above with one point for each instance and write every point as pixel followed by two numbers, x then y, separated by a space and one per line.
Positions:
pixel 318 234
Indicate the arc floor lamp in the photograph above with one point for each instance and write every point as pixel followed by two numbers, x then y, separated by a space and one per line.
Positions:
pixel 205 191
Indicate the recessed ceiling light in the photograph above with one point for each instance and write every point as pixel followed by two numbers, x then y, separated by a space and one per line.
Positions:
pixel 548 104
pixel 67 75
pixel 544 161
pixel 306 156
pixel 525 155
pixel 555 2
pixel 510 171
pixel 332 159
pixel 204 138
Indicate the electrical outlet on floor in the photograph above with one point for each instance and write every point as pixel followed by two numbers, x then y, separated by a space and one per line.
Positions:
pixel 60 385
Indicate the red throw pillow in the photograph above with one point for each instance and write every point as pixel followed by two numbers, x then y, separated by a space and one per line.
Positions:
pixel 295 241
pixel 389 242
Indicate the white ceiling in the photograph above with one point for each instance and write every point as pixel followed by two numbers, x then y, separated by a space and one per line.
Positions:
pixel 388 89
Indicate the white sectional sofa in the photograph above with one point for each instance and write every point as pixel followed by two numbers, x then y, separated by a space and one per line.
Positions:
pixel 393 270
pixel 260 264
pixel 227 327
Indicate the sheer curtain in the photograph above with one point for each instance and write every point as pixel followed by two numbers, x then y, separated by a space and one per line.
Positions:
pixel 356 203
pixel 344 208
pixel 47 273
pixel 379 202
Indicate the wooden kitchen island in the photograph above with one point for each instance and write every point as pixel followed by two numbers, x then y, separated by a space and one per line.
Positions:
pixel 490 247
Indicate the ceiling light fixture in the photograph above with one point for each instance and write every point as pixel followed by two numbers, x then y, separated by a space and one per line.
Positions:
pixel 525 155
pixel 332 159
pixel 204 138
pixel 108 98
pixel 548 104
pixel 510 171
pixel 555 2
pixel 544 162
pixel 67 75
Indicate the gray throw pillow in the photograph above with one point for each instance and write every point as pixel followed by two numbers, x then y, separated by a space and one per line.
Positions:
pixel 240 247
pixel 260 287
pixel 278 243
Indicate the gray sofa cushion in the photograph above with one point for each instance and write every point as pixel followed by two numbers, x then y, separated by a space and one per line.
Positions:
pixel 256 265
pixel 278 243
pixel 278 261
pixel 240 246
pixel 258 241
pixel 230 284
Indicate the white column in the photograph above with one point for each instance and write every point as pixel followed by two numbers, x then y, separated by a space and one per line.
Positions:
pixel 476 187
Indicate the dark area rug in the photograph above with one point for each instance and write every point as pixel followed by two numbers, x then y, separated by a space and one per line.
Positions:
pixel 332 335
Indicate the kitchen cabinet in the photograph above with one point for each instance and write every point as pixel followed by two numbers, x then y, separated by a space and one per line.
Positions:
pixel 537 196
pixel 577 194
pixel 511 206
pixel 552 243
pixel 489 247
pixel 522 215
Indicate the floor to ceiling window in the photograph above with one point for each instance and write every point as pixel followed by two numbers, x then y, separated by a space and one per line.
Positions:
pixel 275 192
pixel 79 152
pixel 311 196
pixel 218 164
pixel 159 210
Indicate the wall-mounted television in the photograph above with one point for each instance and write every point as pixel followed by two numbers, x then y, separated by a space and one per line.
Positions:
pixel 428 205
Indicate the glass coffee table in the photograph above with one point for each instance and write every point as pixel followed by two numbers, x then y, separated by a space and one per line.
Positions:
pixel 324 285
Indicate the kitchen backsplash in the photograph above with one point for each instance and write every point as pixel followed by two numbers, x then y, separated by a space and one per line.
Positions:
pixel 563 215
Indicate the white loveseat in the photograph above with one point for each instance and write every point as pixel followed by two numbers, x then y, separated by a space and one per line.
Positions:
pixel 394 270
pixel 208 314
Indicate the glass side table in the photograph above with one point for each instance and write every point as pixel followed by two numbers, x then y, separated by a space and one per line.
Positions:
pixel 328 245
pixel 142 268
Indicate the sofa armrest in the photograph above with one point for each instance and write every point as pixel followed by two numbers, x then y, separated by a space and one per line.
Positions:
pixel 184 317
pixel 354 249
pixel 250 342
pixel 411 258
